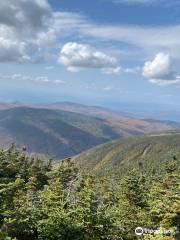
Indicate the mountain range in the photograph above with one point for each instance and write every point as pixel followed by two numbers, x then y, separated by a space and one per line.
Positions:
pixel 65 129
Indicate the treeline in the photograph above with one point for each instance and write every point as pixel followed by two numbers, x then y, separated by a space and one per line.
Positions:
pixel 41 202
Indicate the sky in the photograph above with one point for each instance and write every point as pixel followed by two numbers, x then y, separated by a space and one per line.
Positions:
pixel 98 52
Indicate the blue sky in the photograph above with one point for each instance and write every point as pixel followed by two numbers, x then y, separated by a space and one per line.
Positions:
pixel 99 52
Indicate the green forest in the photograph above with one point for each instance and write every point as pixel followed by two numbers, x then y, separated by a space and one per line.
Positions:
pixel 43 201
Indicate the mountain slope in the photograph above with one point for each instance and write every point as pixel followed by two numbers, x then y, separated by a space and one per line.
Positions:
pixel 119 156
pixel 126 125
pixel 51 132
pixel 62 134
pixel 121 122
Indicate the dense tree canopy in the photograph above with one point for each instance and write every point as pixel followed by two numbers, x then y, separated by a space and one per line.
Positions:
pixel 39 201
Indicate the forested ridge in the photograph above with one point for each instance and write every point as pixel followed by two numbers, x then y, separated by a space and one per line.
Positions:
pixel 116 158
pixel 41 202
pixel 62 134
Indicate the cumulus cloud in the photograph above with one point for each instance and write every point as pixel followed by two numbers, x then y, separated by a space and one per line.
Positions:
pixel 159 70
pixel 24 14
pixel 22 23
pixel 30 28
pixel 159 67
pixel 13 50
pixel 76 56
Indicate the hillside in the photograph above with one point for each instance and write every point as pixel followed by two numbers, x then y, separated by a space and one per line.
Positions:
pixel 122 111
pixel 121 122
pixel 61 134
pixel 119 156
pixel 55 133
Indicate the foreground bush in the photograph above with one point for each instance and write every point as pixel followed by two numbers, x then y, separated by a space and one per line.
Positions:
pixel 39 201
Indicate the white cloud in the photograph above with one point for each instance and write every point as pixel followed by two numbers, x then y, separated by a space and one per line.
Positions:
pixel 22 22
pixel 159 67
pixel 76 56
pixel 73 69
pixel 24 14
pixel 29 28
pixel 134 70
pixel 112 71
pixel 159 71
pixel 13 50
pixel 47 27
pixel 146 38
pixel 120 70
pixel 142 38
pixel 163 82
pixel 22 77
